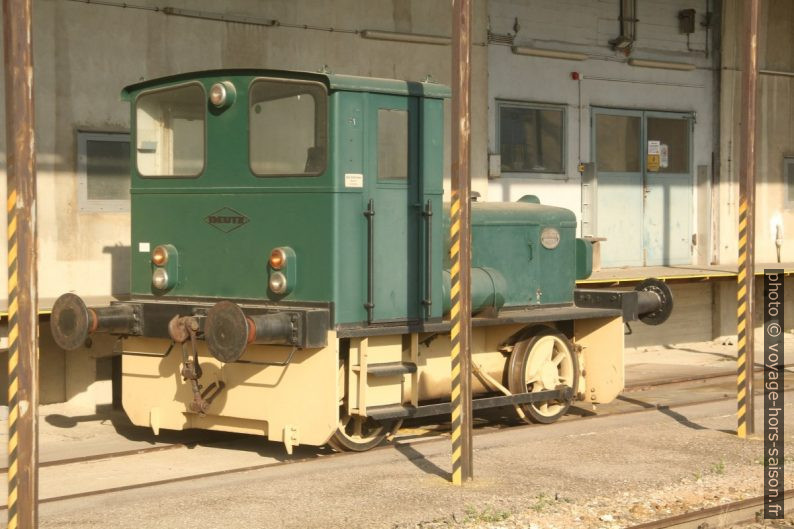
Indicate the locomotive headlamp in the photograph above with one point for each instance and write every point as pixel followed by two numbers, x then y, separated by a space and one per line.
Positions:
pixel 165 267
pixel 277 283
pixel 160 256
pixel 222 94
pixel 160 279
pixel 277 258
pixel 282 276
pixel 550 238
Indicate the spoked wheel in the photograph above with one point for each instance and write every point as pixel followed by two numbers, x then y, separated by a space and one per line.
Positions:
pixel 359 434
pixel 544 362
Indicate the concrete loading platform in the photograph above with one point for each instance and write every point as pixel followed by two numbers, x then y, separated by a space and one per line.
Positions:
pixel 627 463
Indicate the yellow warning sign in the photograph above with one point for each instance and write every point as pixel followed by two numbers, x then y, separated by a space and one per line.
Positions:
pixel 654 161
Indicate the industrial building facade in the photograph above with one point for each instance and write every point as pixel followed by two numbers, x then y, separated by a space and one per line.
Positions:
pixel 624 111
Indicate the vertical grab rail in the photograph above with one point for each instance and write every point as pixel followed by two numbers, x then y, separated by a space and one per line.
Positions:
pixel 428 299
pixel 370 214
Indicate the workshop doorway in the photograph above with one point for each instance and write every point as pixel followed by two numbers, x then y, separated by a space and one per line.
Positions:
pixel 644 190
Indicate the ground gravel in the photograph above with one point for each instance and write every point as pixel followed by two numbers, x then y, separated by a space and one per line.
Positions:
pixel 716 484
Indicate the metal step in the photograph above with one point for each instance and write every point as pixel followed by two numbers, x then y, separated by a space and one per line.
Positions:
pixel 391 368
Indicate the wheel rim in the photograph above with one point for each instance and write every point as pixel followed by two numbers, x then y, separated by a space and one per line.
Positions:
pixel 358 433
pixel 359 429
pixel 549 365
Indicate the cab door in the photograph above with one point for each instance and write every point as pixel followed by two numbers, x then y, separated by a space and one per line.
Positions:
pixel 392 208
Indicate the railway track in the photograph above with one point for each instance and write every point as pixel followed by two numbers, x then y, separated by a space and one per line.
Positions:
pixel 694 378
pixel 191 443
pixel 738 512
pixel 322 454
pixel 110 455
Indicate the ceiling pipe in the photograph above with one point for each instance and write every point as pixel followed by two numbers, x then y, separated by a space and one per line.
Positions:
pixel 549 54
pixel 664 65
pixel 415 38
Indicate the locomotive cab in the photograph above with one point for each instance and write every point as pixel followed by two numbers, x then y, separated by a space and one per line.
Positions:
pixel 278 164
pixel 288 232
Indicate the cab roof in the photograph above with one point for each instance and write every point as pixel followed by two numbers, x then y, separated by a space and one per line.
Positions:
pixel 333 81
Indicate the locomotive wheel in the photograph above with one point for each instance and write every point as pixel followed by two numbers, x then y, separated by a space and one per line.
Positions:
pixel 359 434
pixel 544 361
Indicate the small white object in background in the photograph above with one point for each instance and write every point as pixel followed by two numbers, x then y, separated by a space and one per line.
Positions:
pixel 776 230
pixel 779 241
pixel 144 247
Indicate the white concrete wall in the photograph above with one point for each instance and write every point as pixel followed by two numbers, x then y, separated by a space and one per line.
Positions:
pixel 774 132
pixel 85 53
pixel 586 26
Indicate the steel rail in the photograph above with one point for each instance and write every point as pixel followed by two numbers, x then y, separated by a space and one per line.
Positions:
pixel 210 442
pixel 392 446
pixel 658 406
pixel 441 437
pixel 112 455
pixel 721 515
pixel 639 386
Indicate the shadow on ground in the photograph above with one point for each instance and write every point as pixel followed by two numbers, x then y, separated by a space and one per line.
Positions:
pixel 190 438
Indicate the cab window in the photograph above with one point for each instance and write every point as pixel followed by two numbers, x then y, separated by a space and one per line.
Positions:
pixel 288 128
pixel 170 132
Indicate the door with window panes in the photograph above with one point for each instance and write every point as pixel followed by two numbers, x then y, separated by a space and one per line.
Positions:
pixel 644 187
pixel 392 184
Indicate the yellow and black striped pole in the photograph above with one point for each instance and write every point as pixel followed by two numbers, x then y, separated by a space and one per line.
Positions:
pixel 460 244
pixel 744 378
pixel 23 397
pixel 746 278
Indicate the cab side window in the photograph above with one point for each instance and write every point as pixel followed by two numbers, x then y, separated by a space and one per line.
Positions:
pixel 288 128
pixel 170 132
pixel 392 144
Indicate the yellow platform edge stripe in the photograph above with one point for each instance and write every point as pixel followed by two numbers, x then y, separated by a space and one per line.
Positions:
pixel 669 278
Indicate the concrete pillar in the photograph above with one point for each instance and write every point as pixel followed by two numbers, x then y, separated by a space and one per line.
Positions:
pixel 723 323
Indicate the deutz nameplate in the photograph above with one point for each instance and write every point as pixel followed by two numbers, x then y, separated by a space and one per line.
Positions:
pixel 226 219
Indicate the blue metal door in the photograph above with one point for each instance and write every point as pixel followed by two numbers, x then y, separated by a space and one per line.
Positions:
pixel 667 226
pixel 617 144
pixel 643 186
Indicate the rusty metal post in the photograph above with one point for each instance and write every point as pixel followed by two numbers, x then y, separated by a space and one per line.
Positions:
pixel 23 363
pixel 460 244
pixel 746 278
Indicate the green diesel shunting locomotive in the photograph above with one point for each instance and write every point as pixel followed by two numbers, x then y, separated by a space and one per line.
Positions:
pixel 290 271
